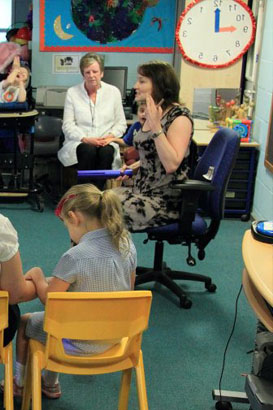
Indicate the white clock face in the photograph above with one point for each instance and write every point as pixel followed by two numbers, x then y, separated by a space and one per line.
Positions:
pixel 215 33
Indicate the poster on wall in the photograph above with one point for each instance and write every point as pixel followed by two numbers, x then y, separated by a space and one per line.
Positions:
pixel 66 64
pixel 107 25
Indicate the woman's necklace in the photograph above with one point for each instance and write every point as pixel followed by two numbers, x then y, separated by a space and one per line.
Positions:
pixel 92 98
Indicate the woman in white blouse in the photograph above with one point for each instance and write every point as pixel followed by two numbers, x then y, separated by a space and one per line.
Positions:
pixel 93 111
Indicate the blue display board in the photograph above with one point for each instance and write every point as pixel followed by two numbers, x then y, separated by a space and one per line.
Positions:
pixel 107 25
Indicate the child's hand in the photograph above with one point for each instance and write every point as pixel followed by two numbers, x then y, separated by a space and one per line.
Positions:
pixel 123 177
pixel 11 79
pixel 106 140
pixel 16 62
pixel 35 275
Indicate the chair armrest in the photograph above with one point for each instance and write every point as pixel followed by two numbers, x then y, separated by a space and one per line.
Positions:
pixel 193 185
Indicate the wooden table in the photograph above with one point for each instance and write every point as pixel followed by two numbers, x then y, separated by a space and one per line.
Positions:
pixel 258 277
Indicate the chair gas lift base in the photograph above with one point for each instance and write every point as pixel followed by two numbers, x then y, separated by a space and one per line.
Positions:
pixel 162 274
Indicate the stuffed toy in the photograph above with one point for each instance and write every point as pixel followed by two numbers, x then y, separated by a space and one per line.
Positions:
pixel 7 53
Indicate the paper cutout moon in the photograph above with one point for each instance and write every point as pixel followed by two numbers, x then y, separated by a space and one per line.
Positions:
pixel 59 31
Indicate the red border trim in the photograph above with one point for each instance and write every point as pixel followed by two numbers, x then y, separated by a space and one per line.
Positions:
pixel 43 47
pixel 109 49
pixel 190 60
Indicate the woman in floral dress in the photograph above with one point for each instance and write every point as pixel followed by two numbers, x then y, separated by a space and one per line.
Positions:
pixel 163 146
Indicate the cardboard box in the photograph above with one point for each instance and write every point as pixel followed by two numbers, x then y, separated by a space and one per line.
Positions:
pixel 55 97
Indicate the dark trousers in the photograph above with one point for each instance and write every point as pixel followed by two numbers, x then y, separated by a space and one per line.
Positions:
pixel 92 158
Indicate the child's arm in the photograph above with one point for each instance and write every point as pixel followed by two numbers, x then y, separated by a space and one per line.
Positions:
pixel 43 286
pixel 11 78
pixel 22 95
pixel 12 280
pixel 119 141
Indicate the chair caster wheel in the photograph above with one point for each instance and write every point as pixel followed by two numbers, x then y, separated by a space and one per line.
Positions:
pixel 211 287
pixel 191 261
pixel 185 303
pixel 223 405
pixel 245 217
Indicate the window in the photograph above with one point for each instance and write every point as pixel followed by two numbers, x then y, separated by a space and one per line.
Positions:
pixel 5 18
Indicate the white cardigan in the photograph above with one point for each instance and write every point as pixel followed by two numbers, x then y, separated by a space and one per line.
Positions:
pixel 83 118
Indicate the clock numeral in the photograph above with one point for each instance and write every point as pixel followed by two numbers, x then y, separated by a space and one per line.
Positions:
pixel 185 33
pixel 240 17
pixel 237 43
pixel 215 58
pixel 189 20
pixel 232 7
pixel 245 29
pixel 201 55
pixel 201 9
pixel 228 52
pixel 218 3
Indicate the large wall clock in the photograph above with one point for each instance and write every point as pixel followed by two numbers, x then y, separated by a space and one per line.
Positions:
pixel 215 33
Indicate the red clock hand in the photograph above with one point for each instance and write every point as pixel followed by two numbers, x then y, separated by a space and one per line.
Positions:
pixel 230 28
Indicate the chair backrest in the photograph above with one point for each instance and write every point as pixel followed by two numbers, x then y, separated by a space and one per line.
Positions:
pixel 220 154
pixel 47 128
pixel 97 315
pixel 47 135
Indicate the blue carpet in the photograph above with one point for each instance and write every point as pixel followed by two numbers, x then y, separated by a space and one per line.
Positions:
pixel 183 349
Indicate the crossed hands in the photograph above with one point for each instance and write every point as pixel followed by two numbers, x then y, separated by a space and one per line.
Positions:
pixel 98 142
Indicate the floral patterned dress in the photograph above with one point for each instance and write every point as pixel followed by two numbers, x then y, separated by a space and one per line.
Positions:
pixel 151 201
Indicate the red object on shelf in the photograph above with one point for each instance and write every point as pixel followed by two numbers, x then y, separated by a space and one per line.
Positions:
pixel 23 34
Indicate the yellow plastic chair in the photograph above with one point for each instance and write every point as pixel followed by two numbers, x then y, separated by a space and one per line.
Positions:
pixel 118 317
pixel 6 352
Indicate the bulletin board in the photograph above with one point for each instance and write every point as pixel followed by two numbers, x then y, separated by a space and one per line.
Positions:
pixel 107 25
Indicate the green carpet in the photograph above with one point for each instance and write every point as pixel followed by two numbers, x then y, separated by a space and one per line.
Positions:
pixel 183 349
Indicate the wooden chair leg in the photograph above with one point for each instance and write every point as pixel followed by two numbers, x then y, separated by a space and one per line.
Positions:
pixel 141 384
pixel 124 389
pixel 27 386
pixel 8 394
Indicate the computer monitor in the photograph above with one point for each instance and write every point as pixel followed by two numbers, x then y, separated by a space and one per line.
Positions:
pixel 117 76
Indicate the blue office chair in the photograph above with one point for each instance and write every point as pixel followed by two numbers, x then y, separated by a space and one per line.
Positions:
pixel 204 196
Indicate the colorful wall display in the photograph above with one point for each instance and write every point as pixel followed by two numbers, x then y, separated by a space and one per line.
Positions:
pixel 107 25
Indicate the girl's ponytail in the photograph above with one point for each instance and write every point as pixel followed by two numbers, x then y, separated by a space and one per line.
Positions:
pixel 112 219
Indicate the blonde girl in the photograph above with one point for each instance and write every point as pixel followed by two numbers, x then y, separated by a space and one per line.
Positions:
pixel 103 258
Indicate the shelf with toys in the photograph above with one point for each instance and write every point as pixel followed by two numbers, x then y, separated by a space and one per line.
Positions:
pixel 240 189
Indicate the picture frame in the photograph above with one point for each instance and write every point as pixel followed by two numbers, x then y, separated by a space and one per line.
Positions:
pixel 268 161
pixel 65 64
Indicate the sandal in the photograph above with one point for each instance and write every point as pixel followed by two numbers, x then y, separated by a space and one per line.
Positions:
pixel 17 390
pixel 51 392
